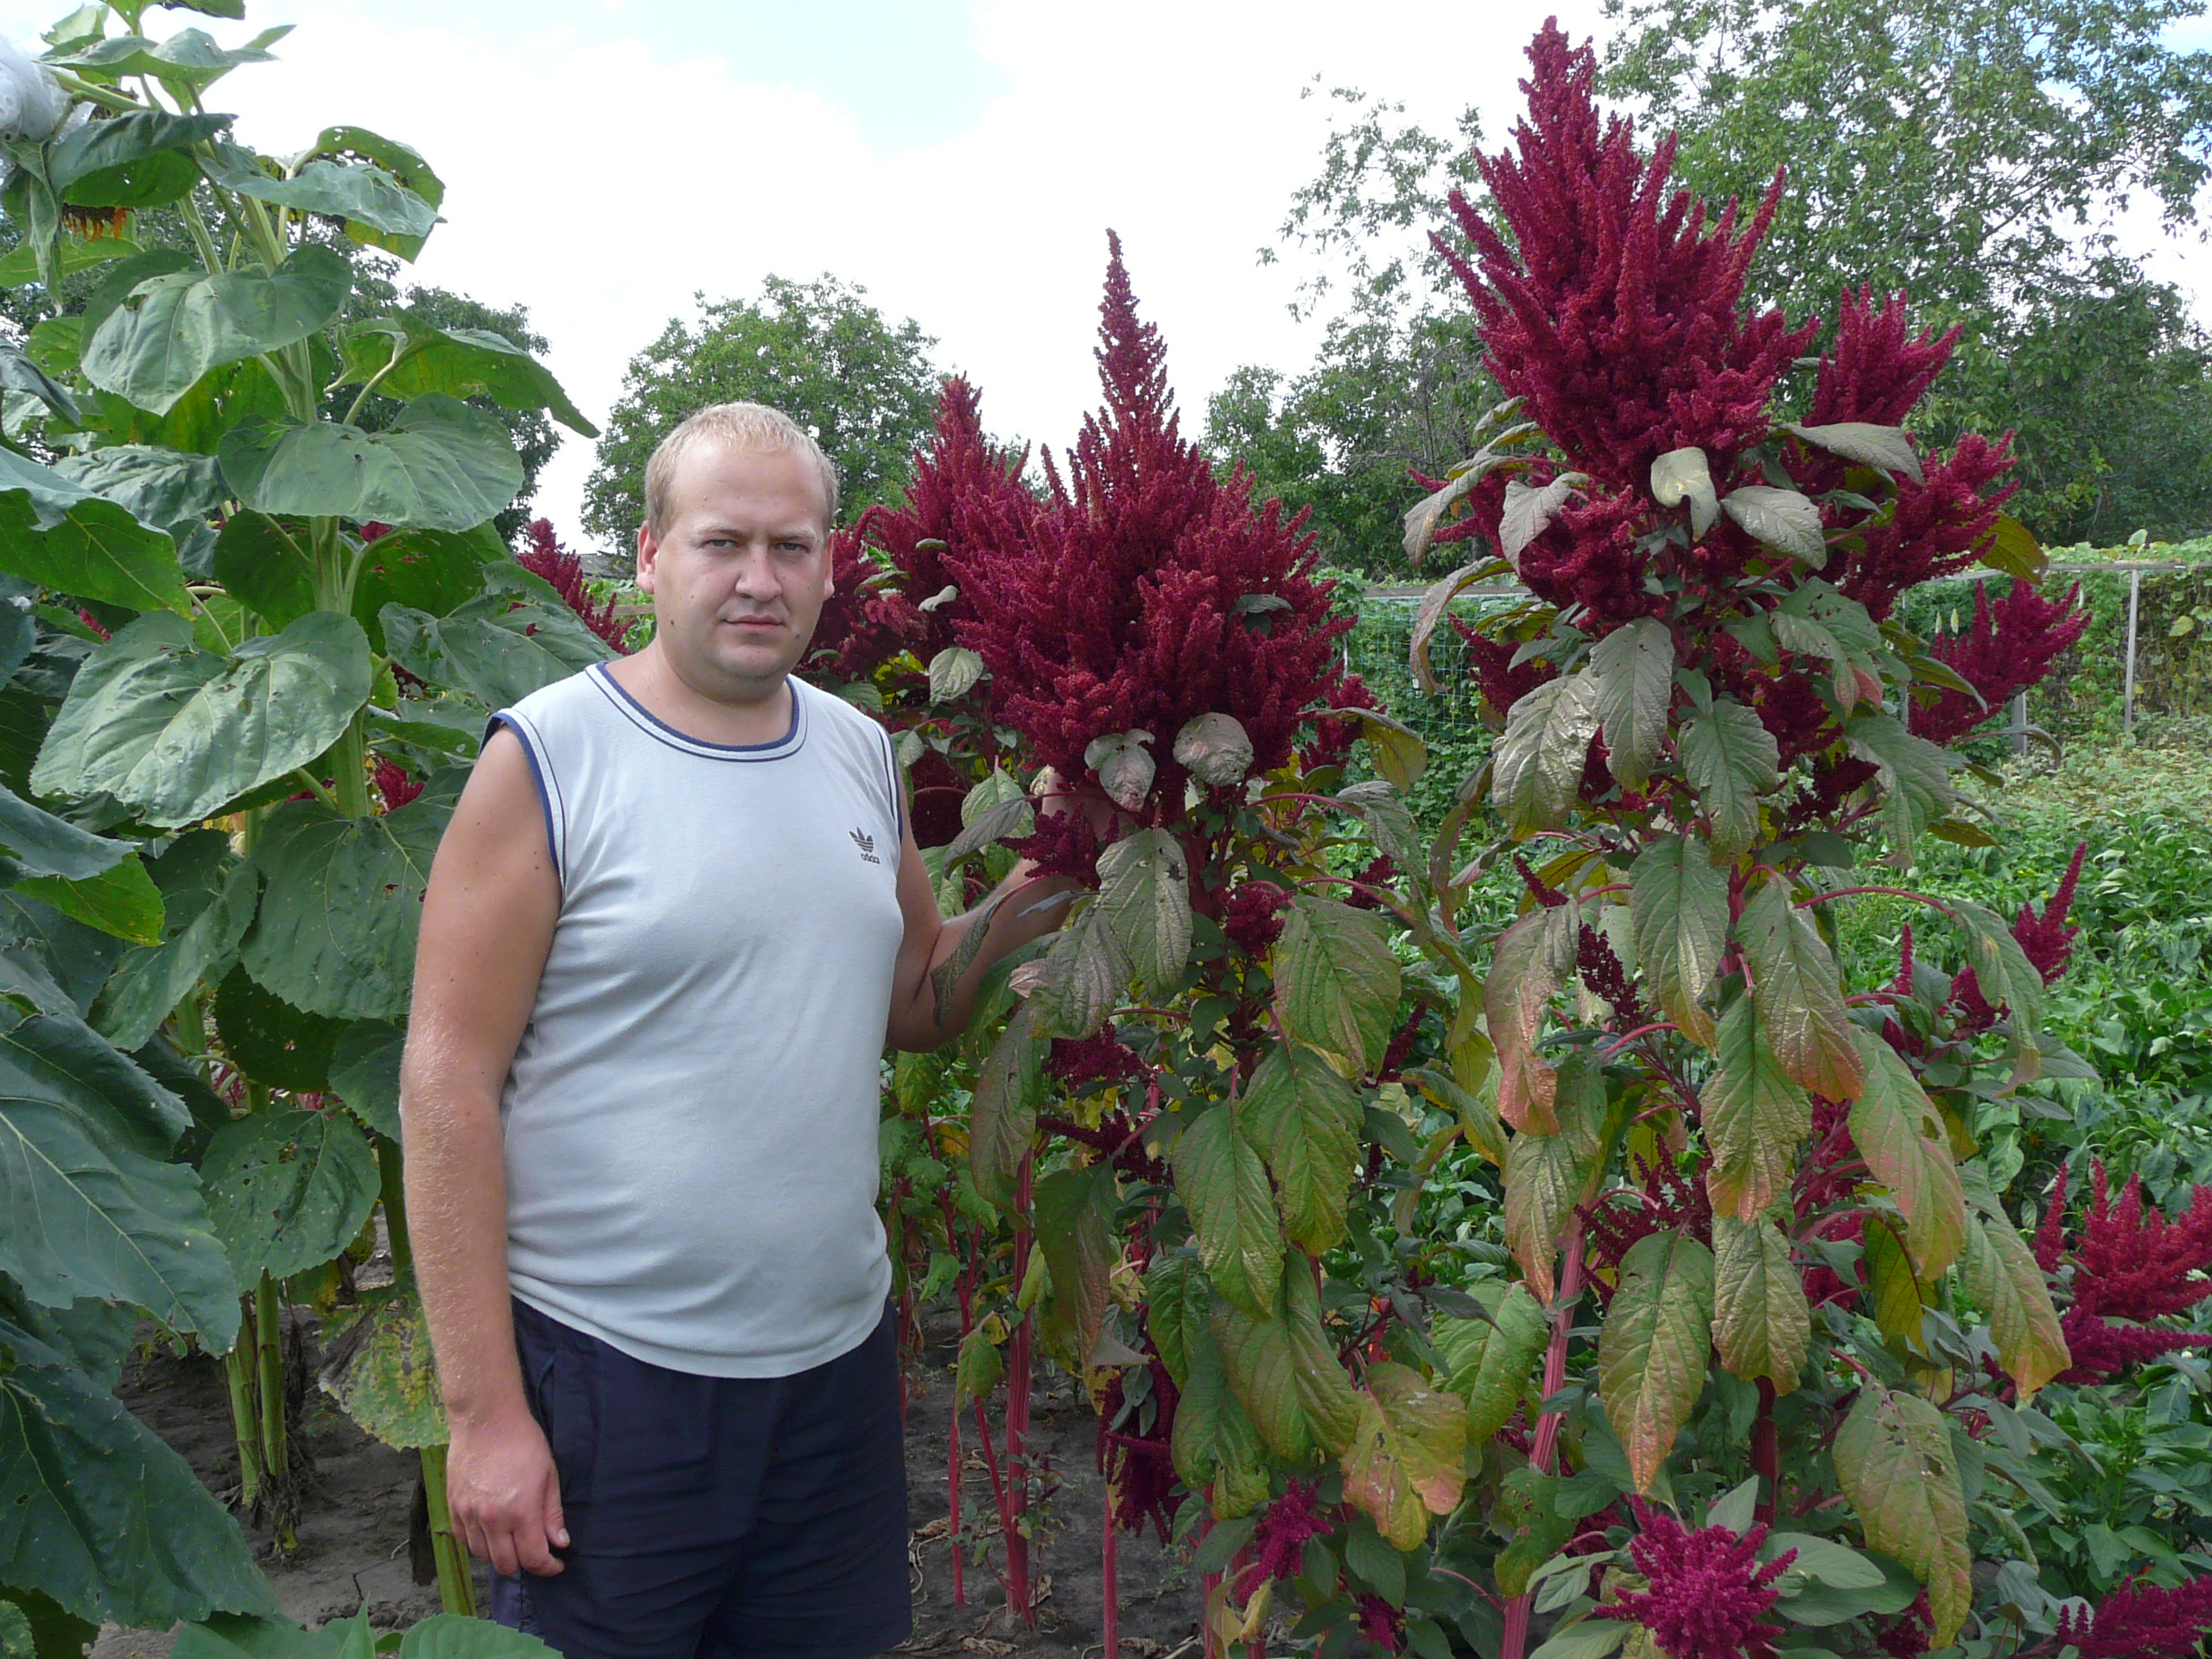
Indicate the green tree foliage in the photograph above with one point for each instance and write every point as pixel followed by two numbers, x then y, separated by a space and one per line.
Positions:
pixel 818 350
pixel 1975 155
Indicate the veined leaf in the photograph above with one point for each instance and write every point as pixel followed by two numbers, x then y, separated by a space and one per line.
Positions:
pixel 288 1189
pixel 1799 994
pixel 514 638
pixel 440 465
pixel 1731 759
pixel 175 733
pixel 2008 978
pixel 1529 511
pixel 1003 1118
pixel 1894 1461
pixel 1305 1120
pixel 1336 980
pixel 1527 965
pixel 1429 613
pixel 1179 1307
pixel 1547 1176
pixel 1214 749
pixel 1761 1324
pixel 1124 766
pixel 1634 668
pixel 2001 1275
pixel 1144 888
pixel 364 196
pixel 954 672
pixel 977 1368
pixel 1398 752
pixel 1884 447
pixel 1407 1458
pixel 1652 1353
pixel 1215 1441
pixel 1755 1114
pixel 1783 519
pixel 1683 476
pixel 378 1365
pixel 462 362
pixel 1536 768
pixel 36 842
pixel 1074 1211
pixel 1902 1137
pixel 1892 1288
pixel 1915 773
pixel 121 900
pixel 1224 1185
pixel 1085 972
pixel 1491 1363
pixel 57 533
pixel 1679 908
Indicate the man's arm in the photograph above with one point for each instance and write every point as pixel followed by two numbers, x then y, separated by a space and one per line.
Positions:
pixel 1026 912
pixel 488 923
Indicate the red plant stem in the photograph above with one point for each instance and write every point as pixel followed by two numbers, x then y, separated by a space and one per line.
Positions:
pixel 1207 1585
pixel 1540 1456
pixel 1894 892
pixel 1017 1419
pixel 1766 1457
pixel 1110 1575
pixel 966 1284
pixel 1641 1030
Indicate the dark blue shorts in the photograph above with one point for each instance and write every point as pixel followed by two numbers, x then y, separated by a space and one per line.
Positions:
pixel 716 1517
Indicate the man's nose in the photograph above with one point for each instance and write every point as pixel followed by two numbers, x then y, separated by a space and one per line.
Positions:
pixel 756 577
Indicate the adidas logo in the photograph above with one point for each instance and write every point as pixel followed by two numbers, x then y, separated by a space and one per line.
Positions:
pixel 866 845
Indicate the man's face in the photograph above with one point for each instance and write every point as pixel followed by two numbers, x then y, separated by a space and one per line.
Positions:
pixel 741 567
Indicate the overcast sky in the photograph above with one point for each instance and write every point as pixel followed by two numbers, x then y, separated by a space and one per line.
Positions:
pixel 961 159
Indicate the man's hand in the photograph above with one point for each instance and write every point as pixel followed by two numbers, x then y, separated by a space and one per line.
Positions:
pixel 504 1495
pixel 1059 798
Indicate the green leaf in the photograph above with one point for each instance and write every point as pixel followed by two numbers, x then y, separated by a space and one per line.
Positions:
pixel 19 374
pixel 463 362
pixel 171 329
pixel 1179 1305
pixel 340 901
pixel 1894 1461
pixel 264 565
pixel 1902 1138
pixel 500 648
pixel 1398 752
pixel 59 535
pixel 1536 766
pixel 21 265
pixel 1799 994
pixel 455 1635
pixel 1144 888
pixel 1305 1121
pixel 1214 749
pixel 1491 1362
pixel 1755 1115
pixel 1915 774
pixel 1215 1439
pixel 1679 914
pixel 1429 614
pixel 1224 1184
pixel 1529 512
pixel 1884 447
pixel 1528 963
pixel 2012 548
pixel 1591 1638
pixel 1336 980
pixel 2002 1276
pixel 270 1041
pixel 102 1516
pixel 360 194
pixel 1548 1176
pixel 1085 972
pixel 121 900
pixel 36 842
pixel 1003 1125
pixel 1634 669
pixel 378 1365
pixel 174 732
pixel 405 166
pixel 287 1189
pixel 1123 766
pixel 1683 476
pixel 1407 1458
pixel 433 571
pixel 1731 759
pixel 1892 1290
pixel 977 1369
pixel 154 486
pixel 2008 978
pixel 1761 1324
pixel 1781 519
pixel 1821 1560
pixel 1652 1352
pixel 365 1073
pixel 1074 1226
pixel 440 465
pixel 1285 1369
pixel 190 60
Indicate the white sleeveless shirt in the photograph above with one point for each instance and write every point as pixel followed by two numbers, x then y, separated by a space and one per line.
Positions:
pixel 691 1118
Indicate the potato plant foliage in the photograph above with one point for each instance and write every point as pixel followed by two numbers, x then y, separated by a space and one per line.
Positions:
pixel 250 644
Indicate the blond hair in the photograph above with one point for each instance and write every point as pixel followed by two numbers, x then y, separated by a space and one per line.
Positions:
pixel 752 428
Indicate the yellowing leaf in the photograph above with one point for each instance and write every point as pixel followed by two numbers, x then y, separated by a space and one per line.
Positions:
pixel 1754 1114
pixel 2002 1276
pixel 1679 909
pixel 1653 1348
pixel 1144 888
pixel 1407 1456
pixel 1634 667
pixel 1731 759
pixel 1305 1121
pixel 1336 980
pixel 1491 1363
pixel 1536 767
pixel 1003 1118
pixel 1903 1141
pixel 1799 994
pixel 1222 1184
pixel 1547 1175
pixel 1761 1324
pixel 1527 964
pixel 1893 1458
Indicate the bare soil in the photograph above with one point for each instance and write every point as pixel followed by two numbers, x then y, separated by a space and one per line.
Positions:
pixel 354 1528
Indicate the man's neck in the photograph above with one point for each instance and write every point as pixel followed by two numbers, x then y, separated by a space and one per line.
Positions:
pixel 675 701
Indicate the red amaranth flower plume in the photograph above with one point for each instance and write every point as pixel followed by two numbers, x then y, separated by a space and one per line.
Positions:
pixel 1615 311
pixel 1875 371
pixel 2130 1263
pixel 2004 650
pixel 2045 940
pixel 1707 1588
pixel 1076 1061
pixel 1140 1467
pixel 1278 1543
pixel 546 557
pixel 1936 527
pixel 1136 605
pixel 394 786
pixel 2140 1621
pixel 1671 1201
pixel 1381 1622
pixel 1502 684
pixel 1251 917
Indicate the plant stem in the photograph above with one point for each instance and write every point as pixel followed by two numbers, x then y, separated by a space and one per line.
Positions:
pixel 275 1460
pixel 241 1370
pixel 457 1587
pixel 391 1190
pixel 1017 1421
pixel 1110 1577
pixel 1766 1456
pixel 1540 1456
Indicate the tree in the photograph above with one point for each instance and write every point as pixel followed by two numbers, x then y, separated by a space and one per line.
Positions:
pixel 1975 155
pixel 818 350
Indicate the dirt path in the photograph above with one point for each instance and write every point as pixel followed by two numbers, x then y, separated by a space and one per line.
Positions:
pixel 353 1525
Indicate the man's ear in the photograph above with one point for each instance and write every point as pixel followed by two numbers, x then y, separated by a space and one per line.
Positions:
pixel 648 556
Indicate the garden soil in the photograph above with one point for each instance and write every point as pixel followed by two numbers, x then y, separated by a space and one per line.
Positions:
pixel 353 1529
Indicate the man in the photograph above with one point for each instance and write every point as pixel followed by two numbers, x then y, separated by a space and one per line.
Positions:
pixel 677 914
